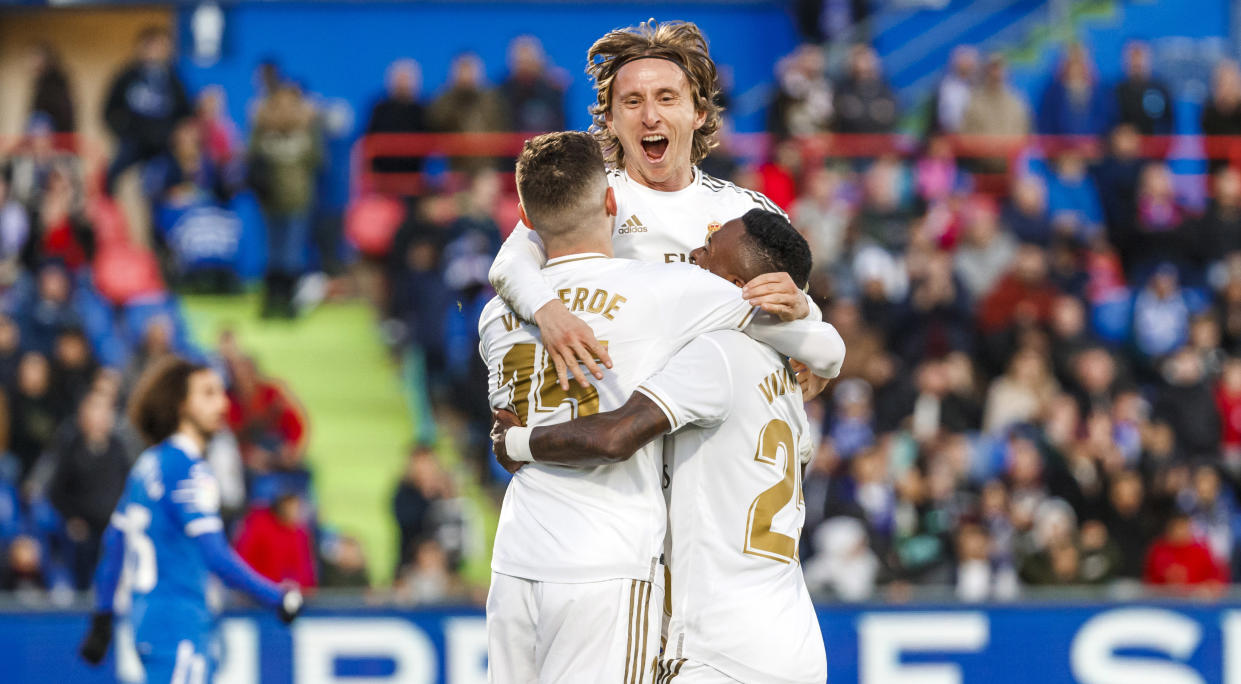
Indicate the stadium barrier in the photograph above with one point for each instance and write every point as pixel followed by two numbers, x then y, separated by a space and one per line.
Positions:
pixel 1144 642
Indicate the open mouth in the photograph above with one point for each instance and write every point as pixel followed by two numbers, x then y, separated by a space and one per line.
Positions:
pixel 654 146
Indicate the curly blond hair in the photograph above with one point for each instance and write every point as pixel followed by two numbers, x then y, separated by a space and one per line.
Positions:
pixel 680 42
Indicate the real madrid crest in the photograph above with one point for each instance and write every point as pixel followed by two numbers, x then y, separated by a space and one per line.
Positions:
pixel 711 228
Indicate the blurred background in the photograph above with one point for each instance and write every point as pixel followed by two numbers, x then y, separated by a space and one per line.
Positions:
pixel 1026 222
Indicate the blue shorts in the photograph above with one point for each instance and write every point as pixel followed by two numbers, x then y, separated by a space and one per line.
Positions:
pixel 188 663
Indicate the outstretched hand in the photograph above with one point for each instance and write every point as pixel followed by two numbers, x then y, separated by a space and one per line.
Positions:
pixel 570 342
pixel 776 293
pixel 503 421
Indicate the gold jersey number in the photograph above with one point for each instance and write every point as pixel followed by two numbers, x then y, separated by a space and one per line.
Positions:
pixel 760 539
pixel 526 364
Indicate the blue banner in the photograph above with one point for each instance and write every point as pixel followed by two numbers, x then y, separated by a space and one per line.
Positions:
pixel 1148 643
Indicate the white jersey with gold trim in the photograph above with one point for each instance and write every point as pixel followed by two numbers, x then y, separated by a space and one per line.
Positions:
pixel 570 525
pixel 738 599
pixel 651 225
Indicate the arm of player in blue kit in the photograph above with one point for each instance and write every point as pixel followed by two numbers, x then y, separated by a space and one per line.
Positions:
pixel 229 567
pixel 814 343
pixel 108 572
pixel 516 274
pixel 690 389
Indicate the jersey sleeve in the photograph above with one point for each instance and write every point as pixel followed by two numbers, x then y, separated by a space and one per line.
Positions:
pixel 516 274
pixel 693 301
pixel 194 497
pixel 694 388
pixel 814 343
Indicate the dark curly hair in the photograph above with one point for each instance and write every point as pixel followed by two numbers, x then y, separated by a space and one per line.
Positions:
pixel 680 42
pixel 776 246
pixel 155 406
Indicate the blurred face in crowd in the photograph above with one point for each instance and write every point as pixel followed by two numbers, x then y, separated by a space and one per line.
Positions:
pixel 1064 562
pixel 1137 61
pixel 996 74
pixel 1228 187
pixel 1179 531
pixel 1095 370
pixel 404 79
pixel 1230 377
pixel 821 184
pixel 33 374
pixel 1125 142
pixel 1164 283
pixel 1226 84
pixel 525 57
pixel 1068 317
pixel 186 139
pixel 994 502
pixel 158 337
pixel 1206 484
pixel 654 117
pixel 863 63
pixel 157 49
pixel 1030 266
pixel 288 509
pixel 54 284
pixel 467 71
pixel 24 556
pixel 72 350
pixel 965 62
pixel 1185 368
pixel 10 335
pixel 1204 332
pixel 206 405
pixel 972 543
pixel 1024 462
pixel 1093 535
pixel 210 102
pixel 1126 493
pixel 96 418
pixel 982 226
pixel 1156 182
pixel 1030 196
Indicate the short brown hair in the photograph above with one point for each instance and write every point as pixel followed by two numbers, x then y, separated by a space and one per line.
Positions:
pixel 155 406
pixel 560 180
pixel 680 42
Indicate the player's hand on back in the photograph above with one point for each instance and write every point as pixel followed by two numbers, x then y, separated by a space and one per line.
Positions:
pixel 291 603
pixel 95 645
pixel 811 384
pixel 503 421
pixel 776 293
pixel 570 342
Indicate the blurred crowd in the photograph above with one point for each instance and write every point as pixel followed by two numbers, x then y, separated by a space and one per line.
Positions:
pixel 1043 379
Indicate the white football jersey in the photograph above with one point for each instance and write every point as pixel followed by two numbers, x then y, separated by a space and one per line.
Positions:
pixel 651 225
pixel 584 525
pixel 738 600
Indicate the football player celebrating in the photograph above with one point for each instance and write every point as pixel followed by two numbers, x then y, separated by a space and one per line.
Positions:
pixel 576 579
pixel 166 534
pixel 655 118
pixel 740 610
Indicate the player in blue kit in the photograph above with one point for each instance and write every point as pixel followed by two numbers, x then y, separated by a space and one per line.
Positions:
pixel 166 533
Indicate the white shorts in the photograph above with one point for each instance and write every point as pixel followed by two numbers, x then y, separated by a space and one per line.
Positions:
pixel 684 671
pixel 548 633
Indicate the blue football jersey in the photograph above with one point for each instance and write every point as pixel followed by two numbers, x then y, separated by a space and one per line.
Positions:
pixel 171 497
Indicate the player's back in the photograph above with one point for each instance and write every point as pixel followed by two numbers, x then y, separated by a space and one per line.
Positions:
pixel 579 525
pixel 739 601
pixel 165 504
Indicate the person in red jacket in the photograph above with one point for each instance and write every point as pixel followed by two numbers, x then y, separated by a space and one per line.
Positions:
pixel 276 542
pixel 269 423
pixel 1178 560
pixel 1228 401
pixel 1025 295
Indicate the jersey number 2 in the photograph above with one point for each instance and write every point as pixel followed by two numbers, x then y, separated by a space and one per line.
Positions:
pixel 760 539
pixel 519 368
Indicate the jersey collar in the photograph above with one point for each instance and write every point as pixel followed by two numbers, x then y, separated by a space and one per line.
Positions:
pixel 184 443
pixel 569 258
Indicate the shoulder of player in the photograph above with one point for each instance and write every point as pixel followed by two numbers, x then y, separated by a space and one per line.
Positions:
pixel 742 197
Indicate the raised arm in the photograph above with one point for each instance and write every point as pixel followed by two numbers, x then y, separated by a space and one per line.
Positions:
pixel 590 441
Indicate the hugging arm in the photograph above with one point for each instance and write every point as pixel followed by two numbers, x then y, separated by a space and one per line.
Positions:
pixel 585 442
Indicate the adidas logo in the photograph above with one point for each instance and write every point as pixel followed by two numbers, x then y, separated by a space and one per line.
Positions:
pixel 631 225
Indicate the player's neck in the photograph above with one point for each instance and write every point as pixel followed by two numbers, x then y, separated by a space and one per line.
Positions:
pixel 596 241
pixel 677 181
pixel 191 437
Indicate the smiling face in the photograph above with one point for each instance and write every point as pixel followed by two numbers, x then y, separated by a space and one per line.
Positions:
pixel 722 253
pixel 654 117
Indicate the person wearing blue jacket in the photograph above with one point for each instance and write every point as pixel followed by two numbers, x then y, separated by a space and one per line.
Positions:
pixel 166 536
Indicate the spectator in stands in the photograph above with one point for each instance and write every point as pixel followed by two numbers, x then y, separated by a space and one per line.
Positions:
pixel 1025 214
pixel 995 108
pixel 429 577
pixel 822 216
pixel 36 159
pixel 1187 405
pixel 423 484
pixel 1218 232
pixel 89 466
pixel 1211 512
pixel 1073 103
pixel 979 577
pixel 953 96
pixel 1161 314
pixel 73 367
pixel 885 216
pixel 936 317
pixel 270 426
pixel 1179 561
pixel 778 175
pixel 1022 394
pixel 1072 198
pixel 1117 176
pixel 1228 403
pixel 864 103
pixel 803 101
pixel 1161 231
pixel 345 565
pixel 276 542
pixel 23 571
pixel 34 414
pixel 844 565
pixel 1221 114
pixel 1143 100
pixel 49 312
pixel 533 93
pixel 399 112
pixel 285 153
pixel 51 95
pixel 468 105
pixel 144 102
pixel 155 342
pixel 220 139
pixel 1023 296
pixel 14 230
pixel 985 251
